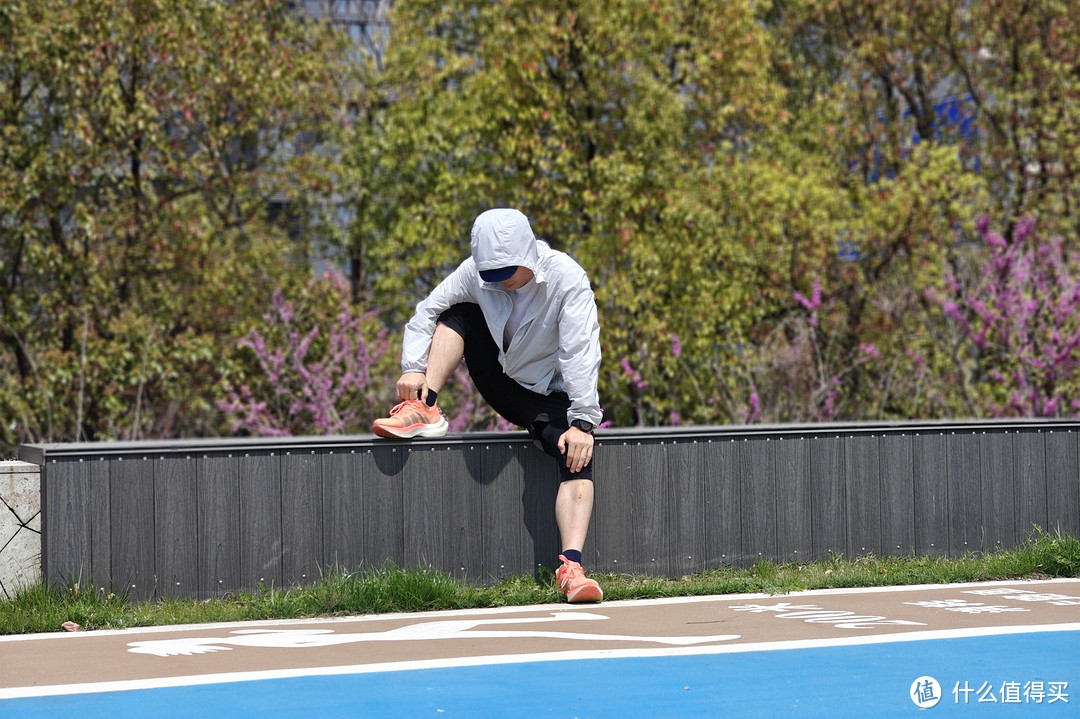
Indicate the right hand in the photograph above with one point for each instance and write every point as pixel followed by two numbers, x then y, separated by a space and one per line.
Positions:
pixel 412 385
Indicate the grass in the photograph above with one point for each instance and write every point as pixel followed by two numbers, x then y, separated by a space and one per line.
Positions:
pixel 390 589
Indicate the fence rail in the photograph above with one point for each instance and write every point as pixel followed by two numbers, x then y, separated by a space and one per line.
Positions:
pixel 207 518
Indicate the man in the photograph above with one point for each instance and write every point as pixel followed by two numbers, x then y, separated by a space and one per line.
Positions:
pixel 523 317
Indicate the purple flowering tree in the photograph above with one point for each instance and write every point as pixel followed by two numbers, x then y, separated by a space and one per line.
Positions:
pixel 320 368
pixel 1018 318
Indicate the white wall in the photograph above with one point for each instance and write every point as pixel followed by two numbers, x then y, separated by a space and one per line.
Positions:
pixel 20 527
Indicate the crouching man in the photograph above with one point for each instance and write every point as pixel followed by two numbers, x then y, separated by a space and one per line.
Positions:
pixel 523 317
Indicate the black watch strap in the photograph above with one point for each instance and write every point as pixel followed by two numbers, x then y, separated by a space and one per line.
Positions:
pixel 583 425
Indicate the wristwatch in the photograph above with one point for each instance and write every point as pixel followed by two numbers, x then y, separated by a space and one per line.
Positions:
pixel 583 425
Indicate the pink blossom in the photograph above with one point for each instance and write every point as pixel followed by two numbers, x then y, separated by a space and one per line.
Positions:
pixel 815 298
pixel 632 374
pixel 1020 316
pixel 953 311
pixel 753 409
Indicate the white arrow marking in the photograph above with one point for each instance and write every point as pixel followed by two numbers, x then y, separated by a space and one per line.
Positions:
pixel 449 629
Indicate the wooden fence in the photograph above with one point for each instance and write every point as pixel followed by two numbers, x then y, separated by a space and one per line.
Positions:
pixel 206 518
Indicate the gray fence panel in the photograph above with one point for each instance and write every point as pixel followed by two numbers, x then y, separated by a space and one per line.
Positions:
pixel 207 518
pixel 829 497
pixel 1063 485
pixel 931 494
pixel 301 516
pixel 70 498
pixel 100 539
pixel 758 494
pixel 443 509
pixel 131 509
pixel 176 530
pixel 862 491
pixel 464 498
pixel 997 467
pixel 343 504
pixel 649 488
pixel 218 488
pixel 967 531
pixel 1029 454
pixel 724 517
pixel 614 509
pixel 795 540
pixel 897 494
pixel 260 547
pixel 384 506
pixel 685 509
pixel 506 551
pixel 426 501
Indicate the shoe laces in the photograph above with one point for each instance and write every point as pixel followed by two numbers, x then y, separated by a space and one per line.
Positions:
pixel 402 405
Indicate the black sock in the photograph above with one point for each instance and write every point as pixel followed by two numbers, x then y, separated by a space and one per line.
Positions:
pixel 574 555
pixel 432 395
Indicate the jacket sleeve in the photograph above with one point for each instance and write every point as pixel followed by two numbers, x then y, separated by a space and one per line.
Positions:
pixel 460 286
pixel 579 352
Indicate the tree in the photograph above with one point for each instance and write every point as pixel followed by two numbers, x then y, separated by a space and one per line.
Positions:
pixel 602 121
pixel 940 113
pixel 1016 326
pixel 142 143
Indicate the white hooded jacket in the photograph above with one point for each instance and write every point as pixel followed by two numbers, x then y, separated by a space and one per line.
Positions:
pixel 557 346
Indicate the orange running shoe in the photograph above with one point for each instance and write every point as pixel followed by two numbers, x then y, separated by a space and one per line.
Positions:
pixel 411 418
pixel 575 585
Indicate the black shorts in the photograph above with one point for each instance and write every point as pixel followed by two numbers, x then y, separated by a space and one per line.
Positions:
pixel 544 416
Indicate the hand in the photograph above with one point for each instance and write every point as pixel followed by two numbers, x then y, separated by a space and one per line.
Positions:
pixel 578 448
pixel 412 385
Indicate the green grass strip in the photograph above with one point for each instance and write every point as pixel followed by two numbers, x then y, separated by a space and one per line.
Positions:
pixel 391 589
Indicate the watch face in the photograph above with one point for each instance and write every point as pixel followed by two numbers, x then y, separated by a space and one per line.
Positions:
pixel 583 425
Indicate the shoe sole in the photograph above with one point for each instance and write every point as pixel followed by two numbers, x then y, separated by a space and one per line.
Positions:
pixel 416 430
pixel 586 594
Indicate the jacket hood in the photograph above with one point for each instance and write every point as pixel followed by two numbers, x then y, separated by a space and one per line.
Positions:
pixel 501 238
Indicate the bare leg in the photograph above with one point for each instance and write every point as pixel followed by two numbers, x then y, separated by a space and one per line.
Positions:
pixel 447 349
pixel 574 502
pixel 573 510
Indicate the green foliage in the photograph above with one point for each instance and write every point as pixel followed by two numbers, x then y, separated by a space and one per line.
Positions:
pixel 611 140
pixel 142 142
pixel 707 164
pixel 705 167
pixel 917 179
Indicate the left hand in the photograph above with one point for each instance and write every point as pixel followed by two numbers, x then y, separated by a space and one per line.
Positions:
pixel 578 448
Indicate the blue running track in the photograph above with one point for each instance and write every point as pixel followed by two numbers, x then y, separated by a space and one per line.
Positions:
pixel 1026 674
